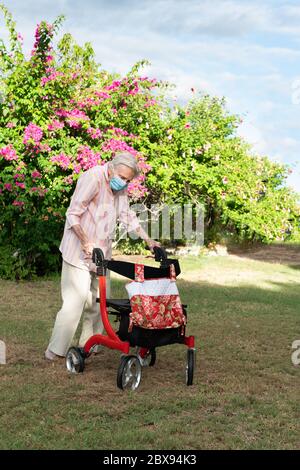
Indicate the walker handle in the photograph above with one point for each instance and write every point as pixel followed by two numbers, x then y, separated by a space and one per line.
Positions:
pixel 160 255
pixel 99 261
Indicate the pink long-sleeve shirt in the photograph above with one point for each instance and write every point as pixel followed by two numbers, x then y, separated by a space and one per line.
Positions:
pixel 96 208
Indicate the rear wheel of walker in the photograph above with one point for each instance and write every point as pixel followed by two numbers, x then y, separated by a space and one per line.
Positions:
pixel 190 366
pixel 129 373
pixel 75 360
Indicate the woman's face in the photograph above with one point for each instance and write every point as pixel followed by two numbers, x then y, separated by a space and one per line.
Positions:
pixel 123 171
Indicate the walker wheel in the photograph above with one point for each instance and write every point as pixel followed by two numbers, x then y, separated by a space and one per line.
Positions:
pixel 75 360
pixel 190 366
pixel 149 359
pixel 129 373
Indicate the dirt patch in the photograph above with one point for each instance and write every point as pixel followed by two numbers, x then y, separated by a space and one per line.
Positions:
pixel 282 254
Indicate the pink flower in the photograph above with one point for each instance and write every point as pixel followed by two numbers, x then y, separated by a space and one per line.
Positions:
pixel 61 112
pixel 151 102
pixel 41 191
pixel 87 103
pixel 117 130
pixel 75 116
pixel 10 125
pixel 44 148
pixel 8 153
pixel 87 158
pixel 55 124
pixel 115 84
pixel 62 160
pixel 225 180
pixel 116 145
pixel 52 76
pixel 43 30
pixel 19 176
pixel 102 94
pixel 134 91
pixel 94 133
pixel 136 190
pixel 32 133
pixel 36 174
pixel 187 125
pixel 8 186
pixel 144 167
pixel 18 203
pixel 20 185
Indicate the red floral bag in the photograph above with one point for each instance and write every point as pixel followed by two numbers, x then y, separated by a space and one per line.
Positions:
pixel 155 303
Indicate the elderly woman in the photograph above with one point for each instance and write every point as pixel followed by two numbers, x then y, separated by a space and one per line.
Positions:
pixel 99 199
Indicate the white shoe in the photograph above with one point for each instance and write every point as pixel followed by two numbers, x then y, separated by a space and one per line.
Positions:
pixel 51 356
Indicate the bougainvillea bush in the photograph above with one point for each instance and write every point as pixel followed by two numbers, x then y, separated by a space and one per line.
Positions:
pixel 61 114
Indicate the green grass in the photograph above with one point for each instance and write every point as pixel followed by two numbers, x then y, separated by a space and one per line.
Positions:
pixel 245 316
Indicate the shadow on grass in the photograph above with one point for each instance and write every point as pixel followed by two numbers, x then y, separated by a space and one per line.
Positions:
pixel 282 253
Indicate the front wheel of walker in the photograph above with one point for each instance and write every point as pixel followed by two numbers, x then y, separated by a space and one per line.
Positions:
pixel 75 360
pixel 129 373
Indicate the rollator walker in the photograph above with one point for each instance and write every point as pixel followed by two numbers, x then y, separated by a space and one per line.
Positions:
pixel 145 341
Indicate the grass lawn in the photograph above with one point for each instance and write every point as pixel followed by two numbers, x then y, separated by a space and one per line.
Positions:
pixel 245 316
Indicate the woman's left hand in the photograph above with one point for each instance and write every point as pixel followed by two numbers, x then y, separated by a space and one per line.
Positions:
pixel 152 243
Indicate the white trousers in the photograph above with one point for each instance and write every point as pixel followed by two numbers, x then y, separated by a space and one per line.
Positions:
pixel 79 290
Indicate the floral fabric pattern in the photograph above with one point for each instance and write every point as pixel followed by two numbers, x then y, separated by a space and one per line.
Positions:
pixel 162 309
pixel 139 272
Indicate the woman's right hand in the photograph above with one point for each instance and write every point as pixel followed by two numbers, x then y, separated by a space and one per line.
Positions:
pixel 87 249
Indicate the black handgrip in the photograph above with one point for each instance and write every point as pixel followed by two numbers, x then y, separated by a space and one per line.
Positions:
pixel 98 256
pixel 160 255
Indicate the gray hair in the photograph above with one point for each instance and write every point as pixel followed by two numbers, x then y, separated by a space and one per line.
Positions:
pixel 125 158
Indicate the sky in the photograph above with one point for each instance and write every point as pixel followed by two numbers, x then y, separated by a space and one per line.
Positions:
pixel 245 50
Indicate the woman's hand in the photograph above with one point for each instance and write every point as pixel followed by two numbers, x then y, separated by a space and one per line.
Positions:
pixel 152 243
pixel 87 249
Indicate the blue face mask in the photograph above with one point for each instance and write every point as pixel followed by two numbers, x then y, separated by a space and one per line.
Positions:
pixel 116 183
